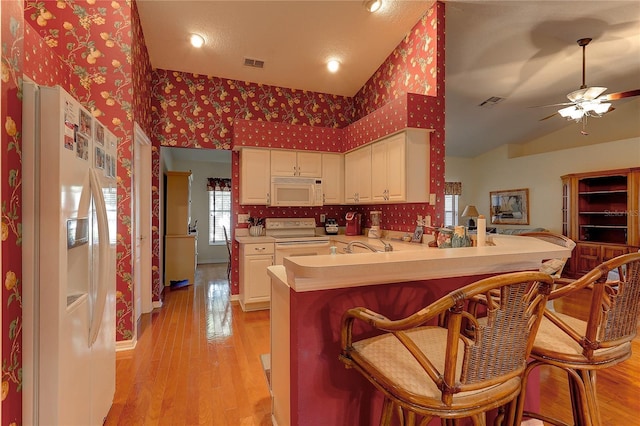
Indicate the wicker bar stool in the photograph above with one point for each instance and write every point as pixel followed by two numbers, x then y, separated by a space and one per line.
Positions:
pixel 553 267
pixel 580 347
pixel 441 362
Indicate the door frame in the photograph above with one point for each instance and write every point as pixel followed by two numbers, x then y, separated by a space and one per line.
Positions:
pixel 142 209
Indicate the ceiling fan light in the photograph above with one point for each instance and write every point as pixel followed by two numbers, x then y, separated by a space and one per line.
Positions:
pixel 566 112
pixel 571 113
pixel 601 108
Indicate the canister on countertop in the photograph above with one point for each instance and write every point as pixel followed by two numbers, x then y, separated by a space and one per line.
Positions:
pixel 331 226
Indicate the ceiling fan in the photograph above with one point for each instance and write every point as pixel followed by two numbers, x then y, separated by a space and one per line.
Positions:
pixel 588 101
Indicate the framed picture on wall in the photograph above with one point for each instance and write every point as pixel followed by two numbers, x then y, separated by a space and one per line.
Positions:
pixel 510 207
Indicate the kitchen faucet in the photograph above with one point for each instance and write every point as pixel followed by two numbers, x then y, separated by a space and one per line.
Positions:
pixel 348 248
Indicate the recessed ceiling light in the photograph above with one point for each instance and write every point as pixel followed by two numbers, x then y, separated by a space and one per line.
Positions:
pixel 197 40
pixel 333 65
pixel 373 5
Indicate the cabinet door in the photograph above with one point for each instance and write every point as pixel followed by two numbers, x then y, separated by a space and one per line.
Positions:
pixel 388 178
pixel 396 168
pixel 379 172
pixel 255 176
pixel 309 164
pixel 588 256
pixel 350 177
pixel 283 163
pixel 258 282
pixel 358 175
pixel 179 258
pixel 609 252
pixel 333 178
pixel 178 191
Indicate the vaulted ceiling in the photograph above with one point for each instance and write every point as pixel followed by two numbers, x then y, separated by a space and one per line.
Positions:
pixel 524 52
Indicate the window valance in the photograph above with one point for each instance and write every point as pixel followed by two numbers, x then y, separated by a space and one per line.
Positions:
pixel 453 188
pixel 218 184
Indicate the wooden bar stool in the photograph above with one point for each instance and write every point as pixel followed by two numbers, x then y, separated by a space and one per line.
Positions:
pixel 582 347
pixel 553 267
pixel 442 361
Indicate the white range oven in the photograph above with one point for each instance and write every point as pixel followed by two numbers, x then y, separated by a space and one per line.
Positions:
pixel 295 237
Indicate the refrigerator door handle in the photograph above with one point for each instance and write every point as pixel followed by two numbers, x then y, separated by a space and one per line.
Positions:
pixel 103 257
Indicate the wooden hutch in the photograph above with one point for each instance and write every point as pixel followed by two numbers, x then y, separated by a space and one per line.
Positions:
pixel 600 213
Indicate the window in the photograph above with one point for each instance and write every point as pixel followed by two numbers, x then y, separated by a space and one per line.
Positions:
pixel 450 210
pixel 219 215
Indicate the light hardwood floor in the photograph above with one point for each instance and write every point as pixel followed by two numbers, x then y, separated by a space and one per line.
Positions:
pixel 197 362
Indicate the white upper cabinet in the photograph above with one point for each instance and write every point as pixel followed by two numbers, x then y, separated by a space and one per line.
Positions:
pixel 255 176
pixel 296 163
pixel 333 178
pixel 357 176
pixel 388 167
pixel 398 170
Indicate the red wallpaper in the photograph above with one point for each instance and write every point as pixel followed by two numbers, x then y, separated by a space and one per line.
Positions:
pixel 412 67
pixel 282 135
pixel 12 40
pixel 191 110
pixel 89 48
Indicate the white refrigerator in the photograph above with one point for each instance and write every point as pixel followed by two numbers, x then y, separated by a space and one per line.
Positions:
pixel 69 244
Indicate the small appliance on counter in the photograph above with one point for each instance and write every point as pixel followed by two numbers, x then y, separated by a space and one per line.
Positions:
pixel 354 223
pixel 331 226
pixel 374 231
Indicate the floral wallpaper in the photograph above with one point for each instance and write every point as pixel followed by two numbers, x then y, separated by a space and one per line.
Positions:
pixel 95 50
pixel 12 40
pixel 412 67
pixel 197 111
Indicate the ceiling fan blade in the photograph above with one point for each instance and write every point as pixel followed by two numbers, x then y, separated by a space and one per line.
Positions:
pixel 586 94
pixel 549 116
pixel 553 105
pixel 620 95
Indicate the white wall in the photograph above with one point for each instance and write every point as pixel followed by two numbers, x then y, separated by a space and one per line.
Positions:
pixel 540 173
pixel 200 204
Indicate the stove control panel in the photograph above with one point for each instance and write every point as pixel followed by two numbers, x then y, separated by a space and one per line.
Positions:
pixel 289 223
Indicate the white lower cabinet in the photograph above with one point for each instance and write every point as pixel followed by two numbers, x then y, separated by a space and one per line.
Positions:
pixel 255 283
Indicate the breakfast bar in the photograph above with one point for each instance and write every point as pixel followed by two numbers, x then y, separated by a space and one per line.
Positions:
pixel 309 294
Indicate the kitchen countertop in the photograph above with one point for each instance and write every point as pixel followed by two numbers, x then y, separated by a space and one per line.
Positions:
pixel 245 238
pixel 410 262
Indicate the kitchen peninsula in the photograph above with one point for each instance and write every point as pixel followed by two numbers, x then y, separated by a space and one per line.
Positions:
pixel 309 385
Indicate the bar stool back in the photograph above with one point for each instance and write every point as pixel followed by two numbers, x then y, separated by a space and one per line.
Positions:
pixel 580 347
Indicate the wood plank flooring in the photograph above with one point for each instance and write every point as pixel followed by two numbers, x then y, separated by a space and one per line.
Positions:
pixel 197 362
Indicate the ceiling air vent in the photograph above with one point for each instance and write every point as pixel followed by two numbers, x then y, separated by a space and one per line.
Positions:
pixel 254 63
pixel 491 102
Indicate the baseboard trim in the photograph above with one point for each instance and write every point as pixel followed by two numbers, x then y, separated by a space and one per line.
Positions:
pixel 126 345
pixel 209 261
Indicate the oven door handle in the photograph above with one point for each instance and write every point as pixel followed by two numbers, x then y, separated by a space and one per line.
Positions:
pixel 316 243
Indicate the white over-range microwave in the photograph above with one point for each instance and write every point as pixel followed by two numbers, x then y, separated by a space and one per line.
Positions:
pixel 296 191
